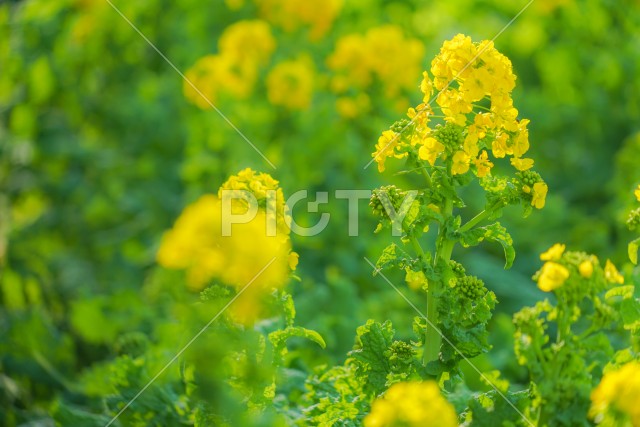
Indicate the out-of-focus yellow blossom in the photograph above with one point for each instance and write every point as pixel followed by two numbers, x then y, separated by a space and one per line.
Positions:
pixel 540 190
pixel 243 48
pixel 586 269
pixel 637 193
pixel 247 41
pixel 554 253
pixel 412 404
pixel 616 397
pixel 234 4
pixel 521 164
pixel 350 107
pixel 267 192
pixel 386 147
pixel 483 165
pixel 290 15
pixel 360 61
pixel 290 84
pixel 415 279
pixel 552 276
pixel 196 244
pixel 294 257
pixel 460 163
pixel 611 273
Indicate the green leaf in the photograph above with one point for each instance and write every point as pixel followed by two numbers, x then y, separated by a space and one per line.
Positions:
pixel 630 312
pixel 391 256
pixel 633 251
pixel 624 292
pixel 373 341
pixel 492 233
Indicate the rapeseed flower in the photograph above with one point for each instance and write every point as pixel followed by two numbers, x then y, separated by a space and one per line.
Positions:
pixel 552 276
pixel 412 404
pixel 615 401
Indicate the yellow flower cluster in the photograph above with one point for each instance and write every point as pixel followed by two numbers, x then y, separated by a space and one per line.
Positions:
pixel 471 85
pixel 196 244
pixel 290 15
pixel 412 404
pixel 290 84
pixel 554 274
pixel 615 401
pixel 244 47
pixel 362 62
pixel 267 192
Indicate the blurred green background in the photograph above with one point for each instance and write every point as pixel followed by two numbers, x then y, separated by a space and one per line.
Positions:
pixel 100 150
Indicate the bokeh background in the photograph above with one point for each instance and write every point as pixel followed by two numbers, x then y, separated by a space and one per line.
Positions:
pixel 102 144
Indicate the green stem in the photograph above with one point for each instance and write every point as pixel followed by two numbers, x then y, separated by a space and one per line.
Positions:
pixel 481 217
pixel 426 176
pixel 444 247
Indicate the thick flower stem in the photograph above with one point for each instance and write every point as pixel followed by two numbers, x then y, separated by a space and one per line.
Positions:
pixel 433 339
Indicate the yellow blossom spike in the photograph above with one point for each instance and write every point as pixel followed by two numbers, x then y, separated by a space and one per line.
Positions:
pixel 611 273
pixel 554 253
pixel 552 276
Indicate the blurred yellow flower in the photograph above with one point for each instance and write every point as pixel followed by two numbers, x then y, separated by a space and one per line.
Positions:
pixel 360 61
pixel 415 279
pixel 290 15
pixel 611 273
pixel 196 244
pixel 243 48
pixel 412 404
pixel 247 42
pixel 637 193
pixel 290 84
pixel 616 397
pixel 267 192
pixel 554 253
pixel 552 276
pixel 586 269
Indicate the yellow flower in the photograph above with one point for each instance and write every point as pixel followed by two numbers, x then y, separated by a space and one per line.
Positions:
pixel 554 253
pixel 357 61
pixel 430 150
pixel 617 396
pixel 552 276
pixel 290 84
pixel 294 257
pixel 611 273
pixel 426 87
pixel 415 279
pixel 196 244
pixel 385 147
pixel 499 146
pixel 637 193
pixel 267 192
pixel 483 165
pixel 247 42
pixel 412 404
pixel 290 15
pixel 460 163
pixel 586 269
pixel 521 164
pixel 540 190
